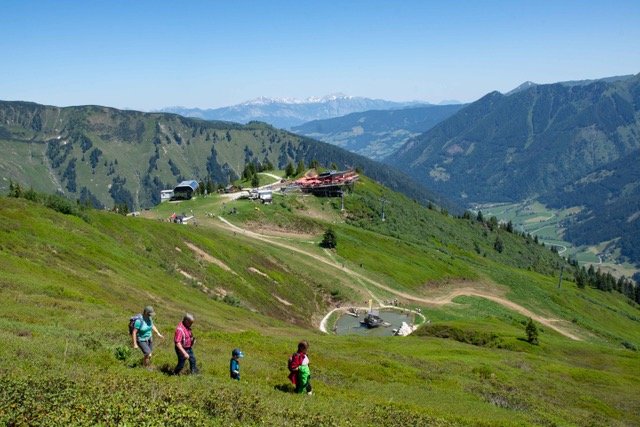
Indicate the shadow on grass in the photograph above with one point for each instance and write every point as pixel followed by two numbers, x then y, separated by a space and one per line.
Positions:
pixel 285 388
pixel 166 369
pixel 527 341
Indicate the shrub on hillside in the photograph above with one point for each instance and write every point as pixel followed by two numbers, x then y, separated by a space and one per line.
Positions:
pixel 329 240
pixel 122 353
pixel 468 336
pixel 231 300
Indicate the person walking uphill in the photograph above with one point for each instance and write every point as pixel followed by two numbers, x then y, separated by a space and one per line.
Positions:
pixel 142 334
pixel 184 341
pixel 300 375
pixel 234 364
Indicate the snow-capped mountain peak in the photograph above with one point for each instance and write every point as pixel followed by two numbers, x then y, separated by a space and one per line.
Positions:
pixel 287 112
pixel 263 100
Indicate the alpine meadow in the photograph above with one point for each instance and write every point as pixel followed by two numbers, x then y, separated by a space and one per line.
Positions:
pixel 320 214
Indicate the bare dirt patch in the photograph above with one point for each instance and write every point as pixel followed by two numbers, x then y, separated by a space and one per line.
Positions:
pixel 187 275
pixel 258 272
pixel 283 301
pixel 278 232
pixel 208 258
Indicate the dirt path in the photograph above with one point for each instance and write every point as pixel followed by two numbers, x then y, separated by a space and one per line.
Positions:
pixel 276 177
pixel 437 301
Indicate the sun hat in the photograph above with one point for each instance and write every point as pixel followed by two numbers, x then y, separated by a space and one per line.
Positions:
pixel 237 353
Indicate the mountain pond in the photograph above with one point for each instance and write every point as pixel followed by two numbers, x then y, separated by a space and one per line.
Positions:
pixel 348 324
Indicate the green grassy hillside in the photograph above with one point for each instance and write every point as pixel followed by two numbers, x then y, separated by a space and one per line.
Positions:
pixel 261 282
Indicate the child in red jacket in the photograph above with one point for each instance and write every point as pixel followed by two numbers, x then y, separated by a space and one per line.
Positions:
pixel 299 373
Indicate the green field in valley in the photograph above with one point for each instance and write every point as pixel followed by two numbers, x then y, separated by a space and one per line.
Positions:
pixel 535 218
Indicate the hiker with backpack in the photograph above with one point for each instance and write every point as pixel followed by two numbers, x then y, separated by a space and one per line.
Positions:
pixel 141 328
pixel 299 373
pixel 184 342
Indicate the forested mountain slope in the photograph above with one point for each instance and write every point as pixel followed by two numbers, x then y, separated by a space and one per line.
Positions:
pixel 107 156
pixel 507 148
pixel 571 144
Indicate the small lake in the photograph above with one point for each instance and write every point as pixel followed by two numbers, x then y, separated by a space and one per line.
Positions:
pixel 350 325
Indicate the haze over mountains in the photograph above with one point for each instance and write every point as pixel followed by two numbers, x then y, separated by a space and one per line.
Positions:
pixel 509 147
pixel 287 112
pixel 377 133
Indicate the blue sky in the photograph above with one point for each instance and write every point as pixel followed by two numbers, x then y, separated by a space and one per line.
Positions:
pixel 151 54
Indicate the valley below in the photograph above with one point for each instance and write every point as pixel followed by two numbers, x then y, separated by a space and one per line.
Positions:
pixel 548 224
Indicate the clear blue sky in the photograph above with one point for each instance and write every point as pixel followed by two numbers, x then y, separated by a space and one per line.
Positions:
pixel 151 54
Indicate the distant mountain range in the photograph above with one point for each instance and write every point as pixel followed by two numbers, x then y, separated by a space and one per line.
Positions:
pixel 378 133
pixel 542 140
pixel 104 156
pixel 287 112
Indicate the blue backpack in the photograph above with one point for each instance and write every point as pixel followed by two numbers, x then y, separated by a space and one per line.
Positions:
pixel 132 322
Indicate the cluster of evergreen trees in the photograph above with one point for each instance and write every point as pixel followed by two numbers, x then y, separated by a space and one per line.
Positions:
pixel 251 169
pixel 606 282
pixel 493 224
pixel 583 277
pixel 208 186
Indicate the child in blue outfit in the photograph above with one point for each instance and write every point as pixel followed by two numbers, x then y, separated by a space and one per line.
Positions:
pixel 234 364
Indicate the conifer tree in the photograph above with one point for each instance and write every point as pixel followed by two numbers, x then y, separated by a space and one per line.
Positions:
pixel 289 170
pixel 493 223
pixel 532 332
pixel 329 240
pixel 581 278
pixel 498 245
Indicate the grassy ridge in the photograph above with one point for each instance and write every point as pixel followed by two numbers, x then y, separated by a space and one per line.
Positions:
pixel 68 286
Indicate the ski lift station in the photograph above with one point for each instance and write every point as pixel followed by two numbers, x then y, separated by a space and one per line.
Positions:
pixel 183 191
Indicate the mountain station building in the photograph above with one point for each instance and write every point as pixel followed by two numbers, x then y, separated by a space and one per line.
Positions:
pixel 184 190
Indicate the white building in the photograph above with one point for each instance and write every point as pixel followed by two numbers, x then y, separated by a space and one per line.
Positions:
pixel 165 195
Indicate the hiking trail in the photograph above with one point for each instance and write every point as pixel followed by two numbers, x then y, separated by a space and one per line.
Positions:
pixel 436 301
